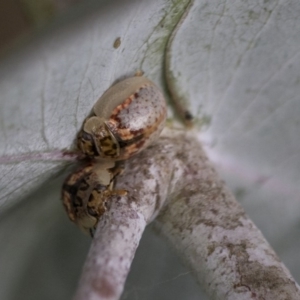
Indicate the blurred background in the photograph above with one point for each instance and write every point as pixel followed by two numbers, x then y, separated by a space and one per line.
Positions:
pixel 19 18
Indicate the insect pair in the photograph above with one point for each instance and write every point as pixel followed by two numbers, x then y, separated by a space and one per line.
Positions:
pixel 126 119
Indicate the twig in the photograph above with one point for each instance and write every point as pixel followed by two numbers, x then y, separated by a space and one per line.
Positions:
pixel 119 231
pixel 211 232
pixel 201 218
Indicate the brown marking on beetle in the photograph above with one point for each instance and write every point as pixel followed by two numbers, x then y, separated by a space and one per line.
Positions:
pixel 86 141
pixel 124 144
pixel 126 103
pixel 121 107
pixel 108 147
pixel 70 191
pixel 67 205
pixel 130 150
pixel 126 135
pixel 116 120
pixel 140 144
pixel 93 206
pixel 119 125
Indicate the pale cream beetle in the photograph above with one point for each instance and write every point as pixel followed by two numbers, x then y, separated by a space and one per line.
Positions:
pixel 127 118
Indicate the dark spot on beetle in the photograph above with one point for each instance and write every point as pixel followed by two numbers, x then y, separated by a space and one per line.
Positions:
pixel 86 136
pixel 100 187
pixel 84 185
pixel 140 144
pixel 71 189
pixel 124 144
pixel 110 152
pixel 106 139
pixel 105 143
pixel 92 212
pixel 137 132
pixel 77 201
pixel 91 198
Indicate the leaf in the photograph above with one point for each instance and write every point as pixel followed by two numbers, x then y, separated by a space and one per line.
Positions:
pixel 234 64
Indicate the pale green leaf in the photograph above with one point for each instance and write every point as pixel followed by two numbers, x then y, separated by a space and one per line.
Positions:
pixel 235 65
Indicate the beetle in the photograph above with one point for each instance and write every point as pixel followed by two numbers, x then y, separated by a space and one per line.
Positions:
pixel 87 191
pixel 127 118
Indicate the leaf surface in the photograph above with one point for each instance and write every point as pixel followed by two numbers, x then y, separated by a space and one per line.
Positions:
pixel 234 65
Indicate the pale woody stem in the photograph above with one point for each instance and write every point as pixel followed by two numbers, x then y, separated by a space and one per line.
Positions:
pixel 198 215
